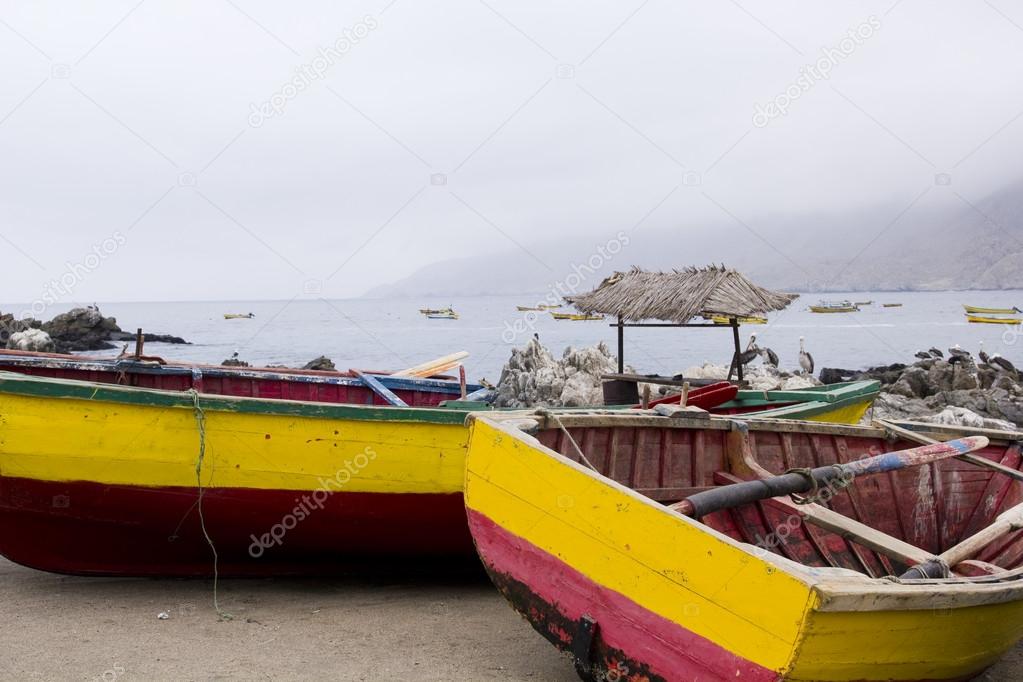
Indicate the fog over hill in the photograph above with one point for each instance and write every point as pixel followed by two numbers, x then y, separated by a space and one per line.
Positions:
pixel 938 239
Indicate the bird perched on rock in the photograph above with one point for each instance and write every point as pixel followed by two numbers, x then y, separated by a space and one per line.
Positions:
pixel 923 355
pixel 998 362
pixel 805 359
pixel 769 356
pixel 751 353
pixel 984 357
pixel 957 355
pixel 936 354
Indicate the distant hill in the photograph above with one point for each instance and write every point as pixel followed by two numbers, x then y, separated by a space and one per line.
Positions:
pixel 955 245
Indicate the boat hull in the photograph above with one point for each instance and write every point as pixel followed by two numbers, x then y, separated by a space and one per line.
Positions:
pixel 673 599
pixel 82 528
pixel 974 310
pixel 115 489
pixel 980 319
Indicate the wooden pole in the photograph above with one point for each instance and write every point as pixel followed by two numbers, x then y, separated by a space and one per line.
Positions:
pixel 139 340
pixel 621 346
pixel 738 350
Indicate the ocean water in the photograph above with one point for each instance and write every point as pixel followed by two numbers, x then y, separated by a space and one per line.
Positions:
pixel 391 334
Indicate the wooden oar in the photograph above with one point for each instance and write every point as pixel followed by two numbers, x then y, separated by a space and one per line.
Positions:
pixel 372 383
pixel 432 367
pixel 1006 522
pixel 897 430
pixel 739 494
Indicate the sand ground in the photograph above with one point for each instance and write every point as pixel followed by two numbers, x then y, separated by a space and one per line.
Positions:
pixel 382 627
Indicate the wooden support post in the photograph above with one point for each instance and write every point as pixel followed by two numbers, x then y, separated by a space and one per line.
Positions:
pixel 736 362
pixel 139 341
pixel 621 347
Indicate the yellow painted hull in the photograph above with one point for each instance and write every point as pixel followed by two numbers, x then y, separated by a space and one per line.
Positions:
pixel 979 319
pixel 708 607
pixel 96 479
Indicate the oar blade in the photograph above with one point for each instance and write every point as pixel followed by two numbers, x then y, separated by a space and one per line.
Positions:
pixel 925 454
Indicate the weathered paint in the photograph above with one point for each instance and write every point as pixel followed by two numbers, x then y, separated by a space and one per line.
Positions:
pixel 798 622
pixel 85 528
pixel 85 467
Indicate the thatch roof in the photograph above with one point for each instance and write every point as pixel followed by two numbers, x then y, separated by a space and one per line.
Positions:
pixel 680 296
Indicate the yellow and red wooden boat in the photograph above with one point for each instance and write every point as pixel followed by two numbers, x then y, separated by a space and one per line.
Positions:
pixel 112 480
pixel 574 526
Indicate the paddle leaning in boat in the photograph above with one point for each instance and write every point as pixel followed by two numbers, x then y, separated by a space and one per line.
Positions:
pixel 585 524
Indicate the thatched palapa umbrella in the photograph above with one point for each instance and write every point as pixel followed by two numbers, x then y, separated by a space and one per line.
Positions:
pixel 676 297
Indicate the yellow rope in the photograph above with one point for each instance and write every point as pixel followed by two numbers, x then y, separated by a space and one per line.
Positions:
pixel 200 420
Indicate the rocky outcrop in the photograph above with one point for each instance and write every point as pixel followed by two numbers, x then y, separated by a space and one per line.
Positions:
pixel 939 391
pixel 31 340
pixel 81 329
pixel 234 361
pixel 534 377
pixel 322 363
pixel 759 377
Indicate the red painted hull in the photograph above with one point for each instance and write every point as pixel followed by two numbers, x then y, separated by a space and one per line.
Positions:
pixel 93 529
pixel 279 384
pixel 630 642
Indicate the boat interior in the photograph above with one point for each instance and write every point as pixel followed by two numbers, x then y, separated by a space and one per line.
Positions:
pixel 878 525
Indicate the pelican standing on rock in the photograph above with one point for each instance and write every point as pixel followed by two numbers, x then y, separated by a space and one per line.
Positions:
pixel 923 355
pixel 984 357
pixel 998 362
pixel 751 353
pixel 957 355
pixel 805 359
pixel 769 356
pixel 936 354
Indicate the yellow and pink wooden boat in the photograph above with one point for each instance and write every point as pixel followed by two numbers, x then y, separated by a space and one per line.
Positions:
pixel 573 517
pixel 100 479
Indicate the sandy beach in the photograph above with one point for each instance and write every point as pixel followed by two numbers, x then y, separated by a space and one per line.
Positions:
pixel 398 626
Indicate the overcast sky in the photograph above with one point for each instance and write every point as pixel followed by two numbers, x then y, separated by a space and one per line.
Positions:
pixel 137 131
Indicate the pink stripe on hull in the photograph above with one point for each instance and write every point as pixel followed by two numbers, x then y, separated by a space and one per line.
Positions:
pixel 553 596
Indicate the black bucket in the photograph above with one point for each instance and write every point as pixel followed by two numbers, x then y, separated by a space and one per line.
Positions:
pixel 619 392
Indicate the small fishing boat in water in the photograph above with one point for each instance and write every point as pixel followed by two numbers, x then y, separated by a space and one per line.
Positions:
pixel 891 305
pixel 589 526
pixel 578 317
pixel 446 315
pixel 239 316
pixel 436 311
pixel 835 307
pixel 537 308
pixel 985 319
pixel 723 319
pixel 974 310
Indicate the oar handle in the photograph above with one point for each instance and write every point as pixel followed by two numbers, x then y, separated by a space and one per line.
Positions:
pixel 738 494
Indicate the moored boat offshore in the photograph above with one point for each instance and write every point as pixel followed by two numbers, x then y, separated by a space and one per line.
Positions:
pixel 574 526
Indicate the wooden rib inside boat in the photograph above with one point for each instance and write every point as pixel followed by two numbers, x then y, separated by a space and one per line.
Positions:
pixel 572 521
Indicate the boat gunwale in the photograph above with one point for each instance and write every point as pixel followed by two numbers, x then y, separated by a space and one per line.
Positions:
pixel 74 389
pixel 837 590
pixel 56 361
